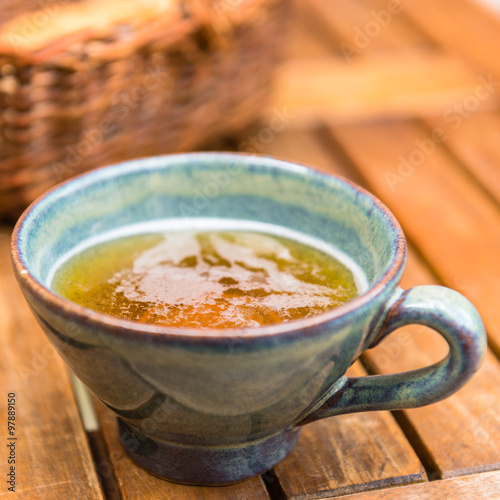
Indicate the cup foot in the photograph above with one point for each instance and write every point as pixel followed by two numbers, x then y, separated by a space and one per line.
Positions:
pixel 205 465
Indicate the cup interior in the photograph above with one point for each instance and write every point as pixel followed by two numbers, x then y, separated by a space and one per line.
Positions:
pixel 209 185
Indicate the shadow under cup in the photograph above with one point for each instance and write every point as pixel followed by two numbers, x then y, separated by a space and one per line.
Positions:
pixel 216 406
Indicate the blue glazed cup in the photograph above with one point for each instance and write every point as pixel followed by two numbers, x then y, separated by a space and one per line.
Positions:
pixel 218 406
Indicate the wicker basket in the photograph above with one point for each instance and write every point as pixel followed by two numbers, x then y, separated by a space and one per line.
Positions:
pixel 87 83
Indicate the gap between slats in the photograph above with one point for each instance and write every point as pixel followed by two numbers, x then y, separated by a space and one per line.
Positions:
pixel 329 140
pixel 97 444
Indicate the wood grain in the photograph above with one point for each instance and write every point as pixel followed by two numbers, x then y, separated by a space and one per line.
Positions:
pixel 395 85
pixel 474 140
pixel 453 224
pixel 53 457
pixel 347 454
pixel 479 42
pixel 304 147
pixel 136 483
pixel 306 38
pixel 475 487
pixel 459 435
pixel 428 61
pixel 368 27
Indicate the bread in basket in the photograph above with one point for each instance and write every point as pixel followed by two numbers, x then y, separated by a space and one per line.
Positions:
pixel 84 84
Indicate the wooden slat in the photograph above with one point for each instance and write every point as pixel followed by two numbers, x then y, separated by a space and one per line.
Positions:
pixel 305 39
pixel 474 140
pixel 464 28
pixel 460 435
pixel 454 225
pixel 303 147
pixel 367 27
pixel 310 148
pixel 53 459
pixel 475 487
pixel 302 43
pixel 399 85
pixel 136 483
pixel 347 454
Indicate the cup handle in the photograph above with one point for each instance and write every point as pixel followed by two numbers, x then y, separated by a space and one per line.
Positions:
pixel 440 308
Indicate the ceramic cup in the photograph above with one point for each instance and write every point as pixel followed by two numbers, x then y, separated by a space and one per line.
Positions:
pixel 218 406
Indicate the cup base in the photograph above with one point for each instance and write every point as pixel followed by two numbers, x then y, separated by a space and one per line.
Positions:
pixel 198 465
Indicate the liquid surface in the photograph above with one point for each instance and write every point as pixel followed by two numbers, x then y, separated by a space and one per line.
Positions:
pixel 205 279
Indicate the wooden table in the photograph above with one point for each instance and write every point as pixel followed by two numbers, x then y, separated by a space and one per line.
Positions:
pixel 404 102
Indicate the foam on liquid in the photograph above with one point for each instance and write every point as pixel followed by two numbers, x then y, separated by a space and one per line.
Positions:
pixel 207 279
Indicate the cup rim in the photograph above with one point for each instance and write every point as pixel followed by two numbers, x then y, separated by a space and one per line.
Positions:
pixel 128 328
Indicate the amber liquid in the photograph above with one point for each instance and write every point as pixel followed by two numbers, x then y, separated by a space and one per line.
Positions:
pixel 206 279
